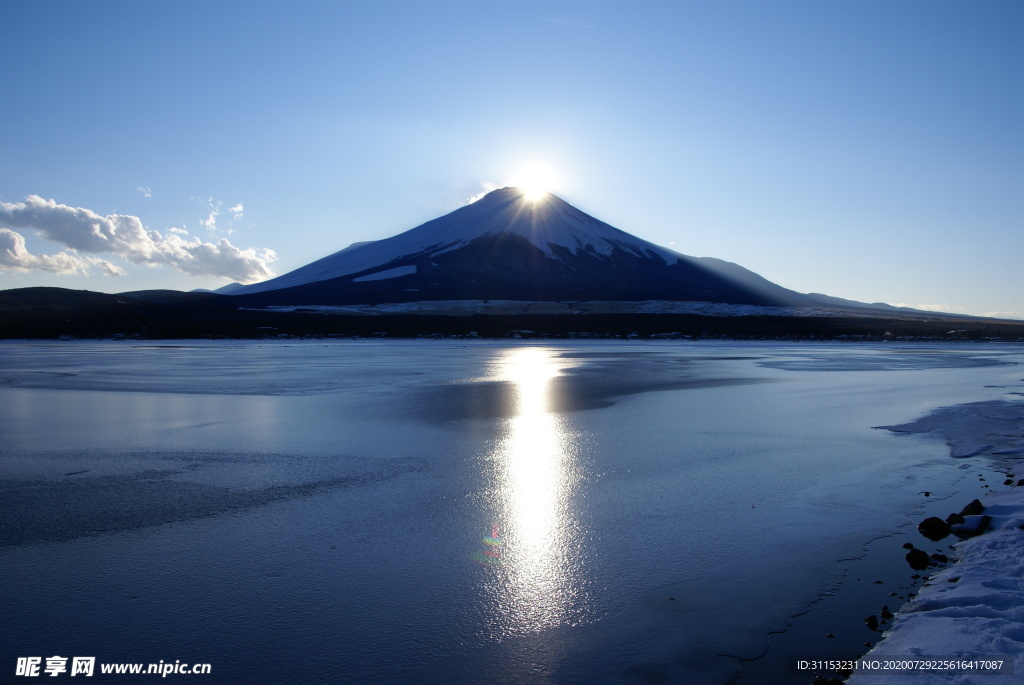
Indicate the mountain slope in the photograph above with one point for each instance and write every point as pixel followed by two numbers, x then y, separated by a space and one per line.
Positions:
pixel 507 247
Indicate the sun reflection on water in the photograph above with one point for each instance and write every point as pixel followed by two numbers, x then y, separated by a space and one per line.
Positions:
pixel 535 546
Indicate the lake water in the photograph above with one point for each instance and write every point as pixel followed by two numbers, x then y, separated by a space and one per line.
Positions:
pixel 449 512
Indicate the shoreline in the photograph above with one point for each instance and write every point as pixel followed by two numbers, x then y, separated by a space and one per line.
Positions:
pixel 875 578
pixel 988 438
pixel 972 609
pixel 974 606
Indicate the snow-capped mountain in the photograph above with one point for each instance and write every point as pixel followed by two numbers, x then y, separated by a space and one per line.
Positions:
pixel 505 246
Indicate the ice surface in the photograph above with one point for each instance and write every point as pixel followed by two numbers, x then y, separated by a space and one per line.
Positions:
pixel 971 429
pixel 315 512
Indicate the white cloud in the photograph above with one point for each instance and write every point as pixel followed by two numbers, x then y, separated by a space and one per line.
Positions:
pixel 179 231
pixel 931 307
pixel 145 190
pixel 487 187
pixel 1005 315
pixel 210 222
pixel 123 235
pixel 14 256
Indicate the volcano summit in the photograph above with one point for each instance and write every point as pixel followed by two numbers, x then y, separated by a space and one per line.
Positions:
pixel 506 246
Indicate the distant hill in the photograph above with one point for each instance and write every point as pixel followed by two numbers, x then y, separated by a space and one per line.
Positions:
pixel 53 312
pixel 58 312
pixel 842 302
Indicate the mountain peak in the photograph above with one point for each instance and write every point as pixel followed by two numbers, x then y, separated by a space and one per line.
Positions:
pixel 516 194
pixel 550 224
pixel 507 245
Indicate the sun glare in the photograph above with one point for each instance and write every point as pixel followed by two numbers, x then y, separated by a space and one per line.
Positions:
pixel 536 181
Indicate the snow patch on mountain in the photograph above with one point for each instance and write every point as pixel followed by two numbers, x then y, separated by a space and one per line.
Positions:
pixel 387 273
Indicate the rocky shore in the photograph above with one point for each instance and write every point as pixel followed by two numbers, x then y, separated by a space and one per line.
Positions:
pixel 972 608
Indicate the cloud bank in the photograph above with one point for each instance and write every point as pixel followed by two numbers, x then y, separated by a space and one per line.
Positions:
pixel 941 308
pixel 1005 315
pixel 82 230
pixel 15 257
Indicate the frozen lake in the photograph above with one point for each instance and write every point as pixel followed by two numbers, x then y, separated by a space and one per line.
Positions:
pixel 393 512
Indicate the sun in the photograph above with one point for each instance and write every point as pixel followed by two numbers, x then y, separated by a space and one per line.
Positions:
pixel 536 181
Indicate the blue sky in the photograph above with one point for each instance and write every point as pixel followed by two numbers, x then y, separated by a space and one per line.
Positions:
pixel 868 150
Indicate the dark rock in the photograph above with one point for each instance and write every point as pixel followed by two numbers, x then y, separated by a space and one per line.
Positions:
pixel 940 558
pixel 1008 481
pixel 877 582
pixel 871 622
pixel 829 635
pixel 972 526
pixel 973 509
pixel 933 528
pixel 954 579
pixel 907 545
pixel 1020 482
pixel 954 519
pixel 885 613
pixel 918 559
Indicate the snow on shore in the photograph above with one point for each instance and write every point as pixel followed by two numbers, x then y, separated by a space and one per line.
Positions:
pixel 497 307
pixel 974 607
